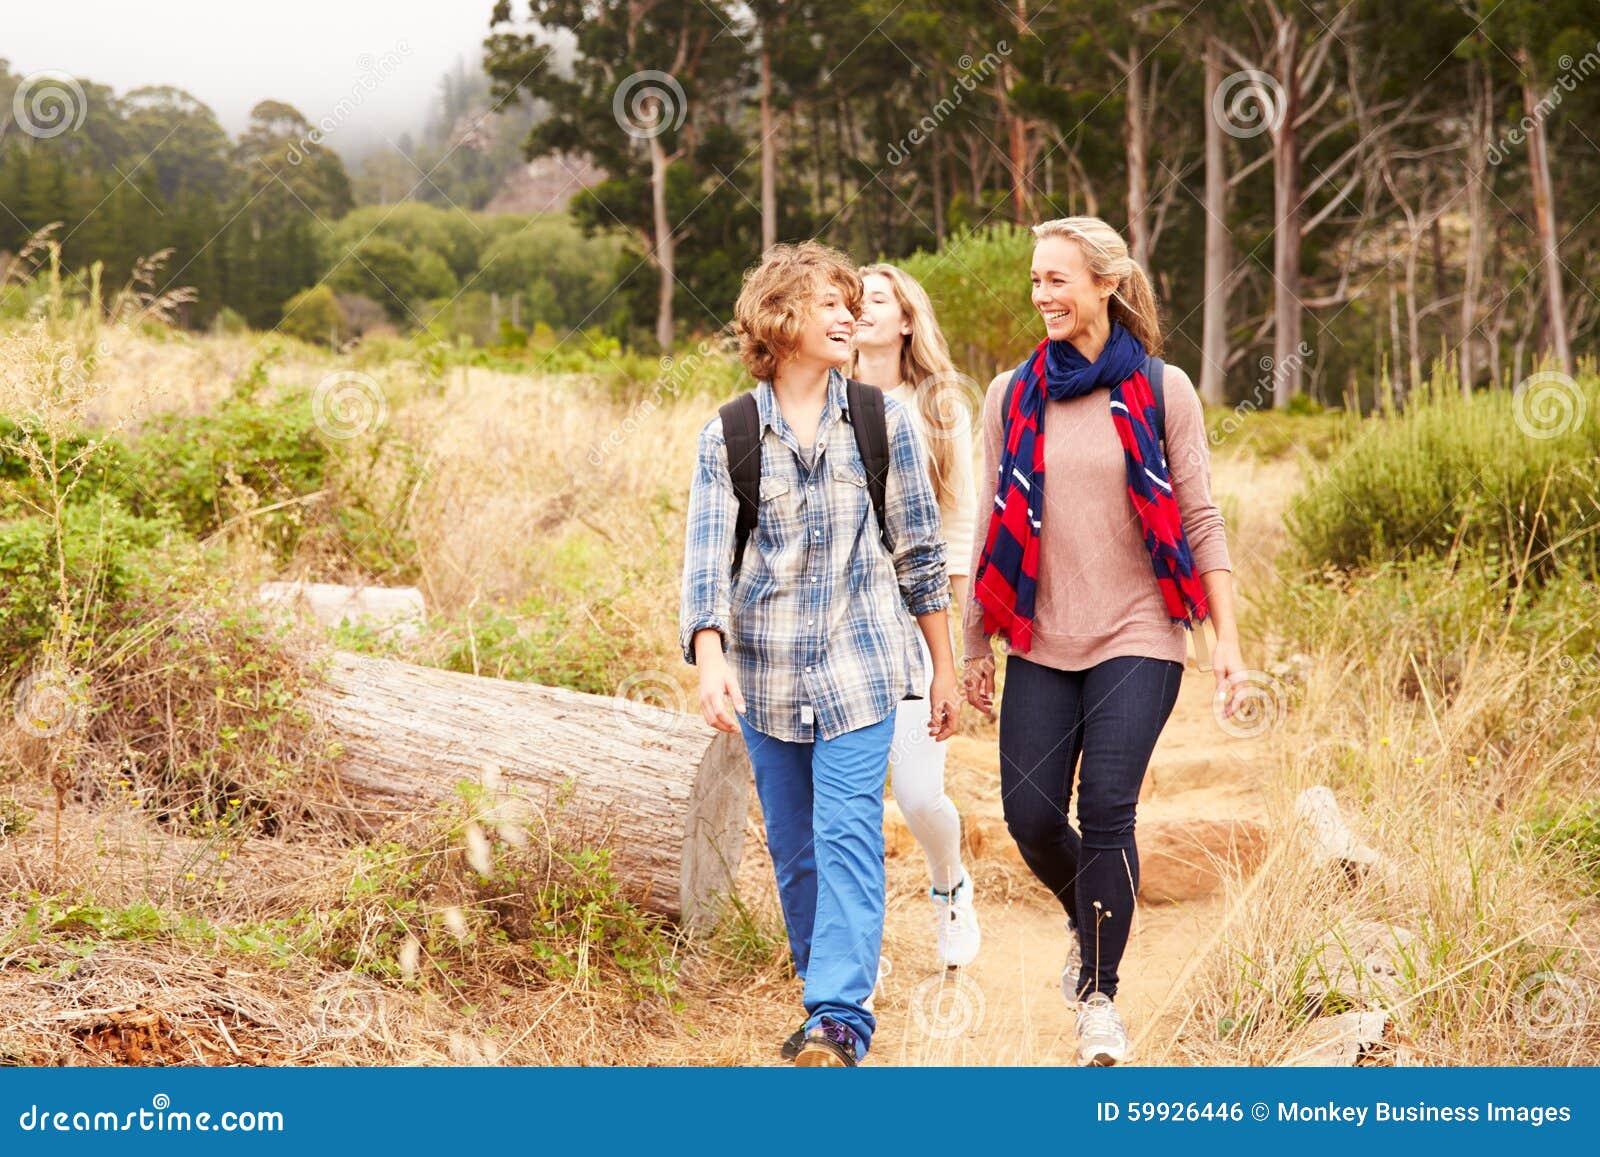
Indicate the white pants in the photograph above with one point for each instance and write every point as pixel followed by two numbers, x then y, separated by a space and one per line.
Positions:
pixel 916 774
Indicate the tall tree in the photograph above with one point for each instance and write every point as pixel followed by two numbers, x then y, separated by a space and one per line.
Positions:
pixel 647 76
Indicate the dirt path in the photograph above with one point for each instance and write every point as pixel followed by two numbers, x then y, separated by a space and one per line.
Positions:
pixel 1006 1009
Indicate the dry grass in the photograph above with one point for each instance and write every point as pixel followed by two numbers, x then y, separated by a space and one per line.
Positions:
pixel 1444 770
pixel 138 942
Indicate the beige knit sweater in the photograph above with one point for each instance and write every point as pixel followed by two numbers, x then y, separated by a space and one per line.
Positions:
pixel 958 518
pixel 1098 597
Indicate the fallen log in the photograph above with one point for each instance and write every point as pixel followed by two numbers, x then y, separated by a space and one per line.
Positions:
pixel 665 796
pixel 390 610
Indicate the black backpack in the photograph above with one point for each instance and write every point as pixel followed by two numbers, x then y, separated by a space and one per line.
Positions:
pixel 741 431
pixel 1152 370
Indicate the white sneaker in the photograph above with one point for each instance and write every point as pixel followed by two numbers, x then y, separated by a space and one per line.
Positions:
pixel 957 924
pixel 1102 1037
pixel 1069 970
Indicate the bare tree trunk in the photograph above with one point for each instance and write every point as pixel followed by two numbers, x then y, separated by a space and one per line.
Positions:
pixel 1413 323
pixel 1021 195
pixel 1477 224
pixel 1394 340
pixel 1214 340
pixel 1544 208
pixel 1137 150
pixel 938 193
pixel 664 244
pixel 1286 222
pixel 769 160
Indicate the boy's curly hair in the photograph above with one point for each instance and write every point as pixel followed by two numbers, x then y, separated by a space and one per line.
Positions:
pixel 778 296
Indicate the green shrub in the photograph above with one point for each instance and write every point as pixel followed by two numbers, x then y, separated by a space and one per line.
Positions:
pixel 980 290
pixel 1450 473
pixel 1572 830
pixel 246 453
pixel 313 315
pixel 105 548
pixel 398 276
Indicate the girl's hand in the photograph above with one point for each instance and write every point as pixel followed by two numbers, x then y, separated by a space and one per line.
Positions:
pixel 1227 665
pixel 717 686
pixel 944 707
pixel 977 679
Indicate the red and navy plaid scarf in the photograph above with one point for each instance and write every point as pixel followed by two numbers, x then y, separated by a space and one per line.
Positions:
pixel 1007 581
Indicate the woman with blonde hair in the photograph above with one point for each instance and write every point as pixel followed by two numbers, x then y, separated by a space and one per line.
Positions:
pixel 900 349
pixel 1103 549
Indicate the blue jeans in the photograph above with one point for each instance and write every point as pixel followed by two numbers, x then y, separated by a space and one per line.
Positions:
pixel 1110 715
pixel 823 807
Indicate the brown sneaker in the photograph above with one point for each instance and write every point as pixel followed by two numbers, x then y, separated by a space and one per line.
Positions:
pixel 829 1045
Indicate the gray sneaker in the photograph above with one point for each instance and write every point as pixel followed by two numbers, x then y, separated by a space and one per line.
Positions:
pixel 1070 970
pixel 1102 1037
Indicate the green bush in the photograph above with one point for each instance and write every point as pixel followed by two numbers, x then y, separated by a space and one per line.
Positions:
pixel 313 315
pixel 397 276
pixel 244 454
pixel 1449 473
pixel 1573 830
pixel 413 225
pixel 105 549
pixel 981 293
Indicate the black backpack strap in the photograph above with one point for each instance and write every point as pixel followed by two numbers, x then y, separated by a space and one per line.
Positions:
pixel 741 434
pixel 871 428
pixel 1152 371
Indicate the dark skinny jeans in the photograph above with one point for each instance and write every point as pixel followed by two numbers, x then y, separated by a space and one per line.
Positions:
pixel 1110 715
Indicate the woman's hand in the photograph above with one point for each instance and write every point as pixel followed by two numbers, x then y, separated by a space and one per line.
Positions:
pixel 717 686
pixel 977 679
pixel 1227 665
pixel 944 707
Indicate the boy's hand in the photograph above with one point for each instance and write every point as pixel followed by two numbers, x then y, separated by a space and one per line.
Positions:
pixel 718 685
pixel 945 707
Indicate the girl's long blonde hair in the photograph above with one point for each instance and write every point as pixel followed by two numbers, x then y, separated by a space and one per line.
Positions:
pixel 1133 303
pixel 926 366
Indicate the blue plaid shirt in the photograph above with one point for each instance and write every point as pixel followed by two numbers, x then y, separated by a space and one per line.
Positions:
pixel 818 623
